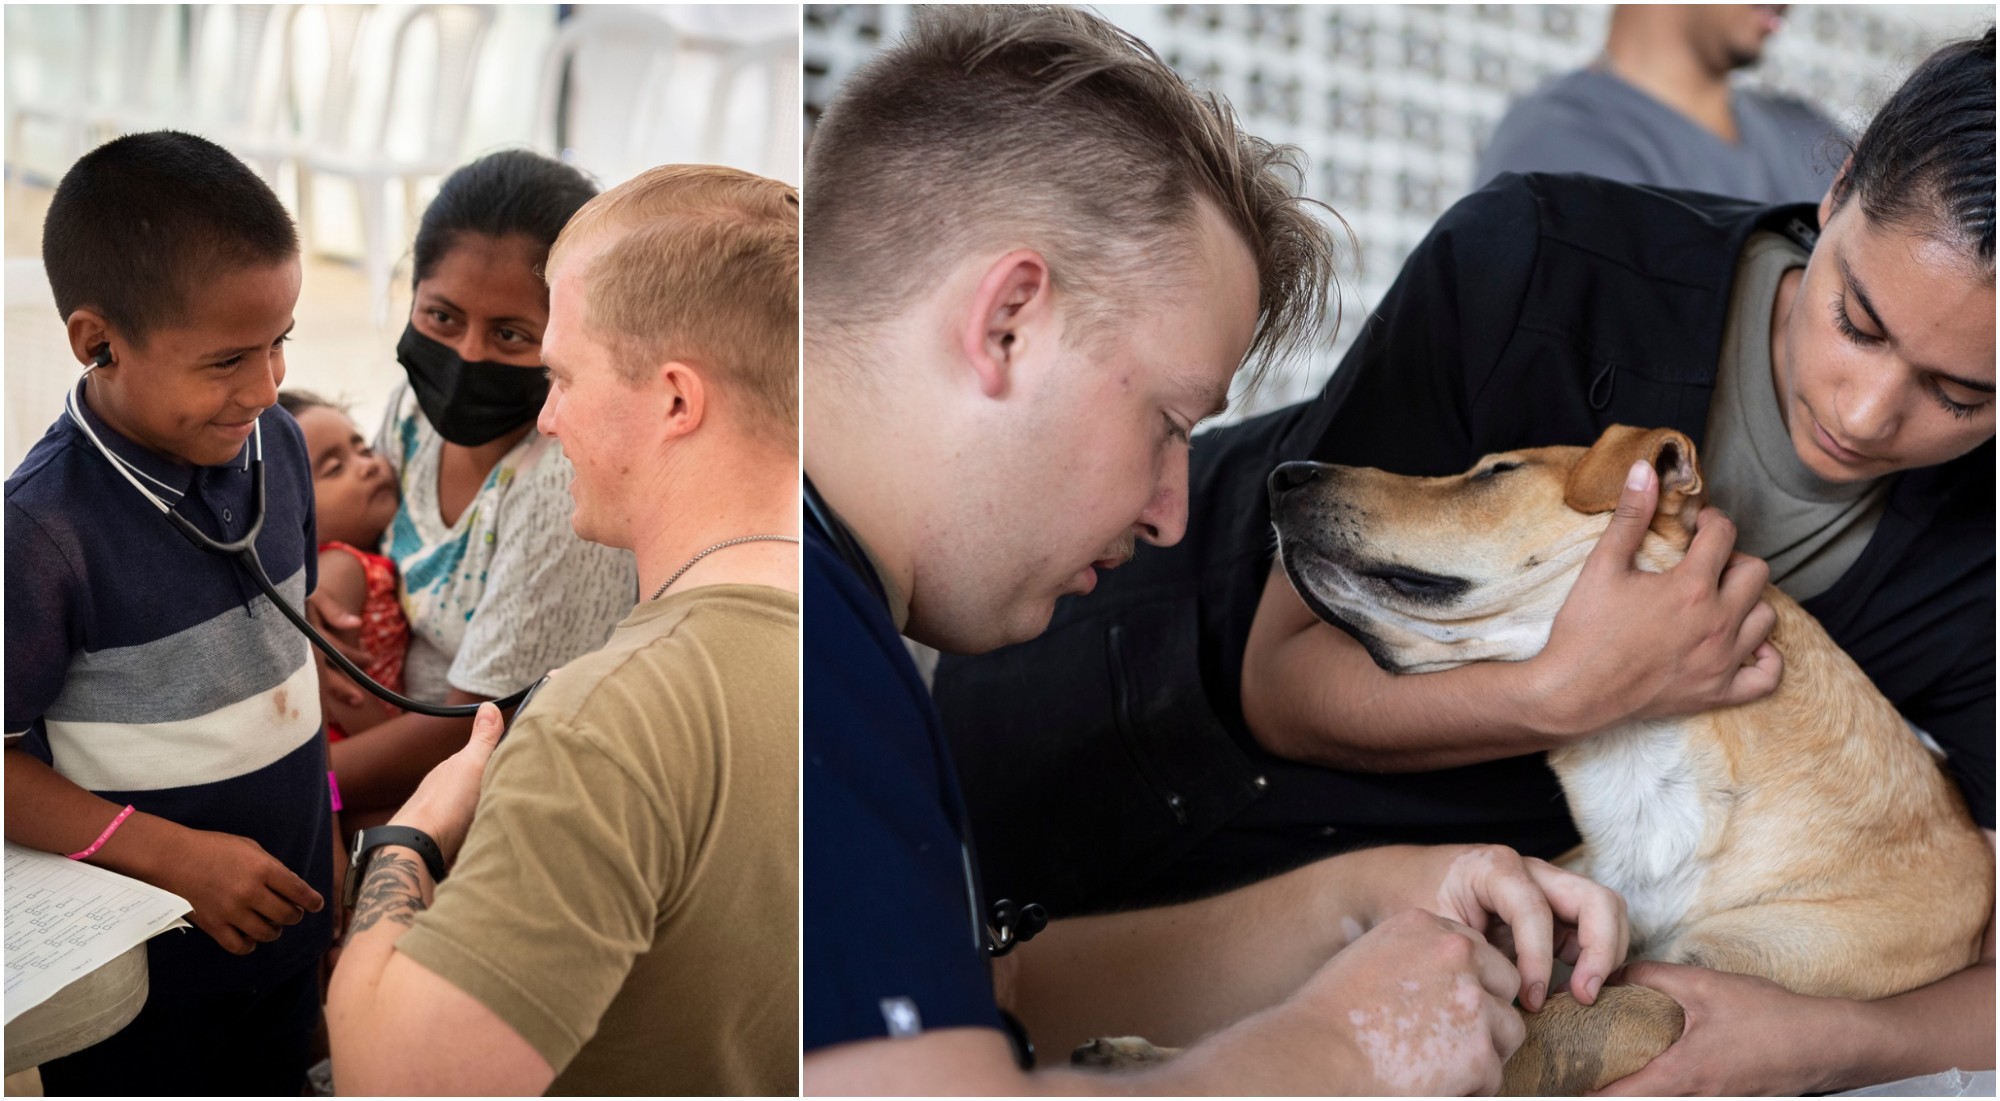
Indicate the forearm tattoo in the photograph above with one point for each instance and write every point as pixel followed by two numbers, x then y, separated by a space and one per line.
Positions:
pixel 393 891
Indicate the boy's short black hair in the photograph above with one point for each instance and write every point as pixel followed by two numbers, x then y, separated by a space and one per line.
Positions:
pixel 140 222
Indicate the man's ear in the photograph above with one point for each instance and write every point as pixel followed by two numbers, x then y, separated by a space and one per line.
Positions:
pixel 683 398
pixel 1840 183
pixel 1597 479
pixel 89 335
pixel 1011 297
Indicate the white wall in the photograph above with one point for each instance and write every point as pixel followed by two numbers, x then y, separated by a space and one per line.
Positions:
pixel 1392 104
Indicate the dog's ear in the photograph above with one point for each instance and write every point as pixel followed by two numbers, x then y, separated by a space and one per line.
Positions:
pixel 1598 478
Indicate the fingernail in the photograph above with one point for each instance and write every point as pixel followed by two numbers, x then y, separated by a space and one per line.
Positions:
pixel 1591 986
pixel 1536 995
pixel 1637 477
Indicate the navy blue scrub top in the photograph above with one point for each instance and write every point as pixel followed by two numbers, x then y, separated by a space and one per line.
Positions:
pixel 892 944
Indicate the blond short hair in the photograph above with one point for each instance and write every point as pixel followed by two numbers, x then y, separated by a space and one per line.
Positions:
pixel 698 263
pixel 1050 127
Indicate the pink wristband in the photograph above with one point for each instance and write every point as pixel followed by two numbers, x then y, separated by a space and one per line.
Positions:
pixel 333 789
pixel 106 835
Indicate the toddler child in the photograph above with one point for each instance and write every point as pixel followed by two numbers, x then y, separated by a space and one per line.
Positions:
pixel 354 500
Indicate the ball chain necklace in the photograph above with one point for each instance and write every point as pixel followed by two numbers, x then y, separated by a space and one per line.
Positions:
pixel 662 590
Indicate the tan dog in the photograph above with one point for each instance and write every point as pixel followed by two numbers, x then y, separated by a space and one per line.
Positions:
pixel 1809 837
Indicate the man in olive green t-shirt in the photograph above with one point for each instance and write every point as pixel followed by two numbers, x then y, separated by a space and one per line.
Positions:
pixel 623 918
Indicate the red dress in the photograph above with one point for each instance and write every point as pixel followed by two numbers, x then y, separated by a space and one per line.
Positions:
pixel 385 634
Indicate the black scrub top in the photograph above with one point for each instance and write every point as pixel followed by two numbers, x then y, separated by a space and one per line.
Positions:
pixel 1107 765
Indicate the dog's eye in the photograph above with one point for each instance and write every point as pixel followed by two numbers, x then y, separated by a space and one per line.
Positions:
pixel 1496 468
pixel 1416 584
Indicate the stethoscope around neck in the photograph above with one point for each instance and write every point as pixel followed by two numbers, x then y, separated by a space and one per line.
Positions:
pixel 244 551
pixel 1006 924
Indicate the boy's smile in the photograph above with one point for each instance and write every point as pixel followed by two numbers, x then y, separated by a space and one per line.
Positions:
pixel 192 392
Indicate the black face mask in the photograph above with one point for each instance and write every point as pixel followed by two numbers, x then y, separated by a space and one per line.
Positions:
pixel 469 403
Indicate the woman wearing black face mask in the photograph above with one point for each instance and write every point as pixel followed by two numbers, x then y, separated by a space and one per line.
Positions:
pixel 497 588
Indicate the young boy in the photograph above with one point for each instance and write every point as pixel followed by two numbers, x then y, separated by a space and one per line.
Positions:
pixel 162 717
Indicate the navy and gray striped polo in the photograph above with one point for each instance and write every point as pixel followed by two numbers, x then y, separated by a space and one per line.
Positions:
pixel 154 673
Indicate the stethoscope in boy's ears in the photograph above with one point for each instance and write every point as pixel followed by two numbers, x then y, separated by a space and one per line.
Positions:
pixel 1006 924
pixel 244 551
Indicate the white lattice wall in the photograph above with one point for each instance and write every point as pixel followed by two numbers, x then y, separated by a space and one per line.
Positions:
pixel 1392 104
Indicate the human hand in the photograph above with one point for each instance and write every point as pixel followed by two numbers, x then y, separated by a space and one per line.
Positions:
pixel 1533 911
pixel 342 628
pixel 1421 1004
pixel 1745 1035
pixel 443 804
pixel 241 895
pixel 1705 625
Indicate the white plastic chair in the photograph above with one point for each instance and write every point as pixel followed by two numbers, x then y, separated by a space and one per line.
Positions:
pixel 247 97
pixel 56 66
pixel 371 164
pixel 299 123
pixel 594 29
pixel 118 66
pixel 778 58
pixel 215 83
pixel 139 69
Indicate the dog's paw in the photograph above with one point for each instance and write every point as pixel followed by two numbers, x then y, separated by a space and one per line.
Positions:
pixel 1120 1052
pixel 1573 1048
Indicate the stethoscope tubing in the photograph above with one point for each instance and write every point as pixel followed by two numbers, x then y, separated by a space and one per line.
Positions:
pixel 244 551
pixel 252 565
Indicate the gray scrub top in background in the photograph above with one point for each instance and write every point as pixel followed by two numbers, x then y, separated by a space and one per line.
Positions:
pixel 1594 122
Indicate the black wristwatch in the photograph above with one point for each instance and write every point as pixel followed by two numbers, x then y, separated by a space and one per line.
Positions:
pixel 374 838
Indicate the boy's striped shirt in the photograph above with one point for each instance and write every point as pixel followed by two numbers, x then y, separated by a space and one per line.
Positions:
pixel 152 672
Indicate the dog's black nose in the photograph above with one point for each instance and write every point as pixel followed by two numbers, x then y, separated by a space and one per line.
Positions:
pixel 1290 476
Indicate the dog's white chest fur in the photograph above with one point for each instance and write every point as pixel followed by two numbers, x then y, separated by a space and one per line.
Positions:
pixel 1638 804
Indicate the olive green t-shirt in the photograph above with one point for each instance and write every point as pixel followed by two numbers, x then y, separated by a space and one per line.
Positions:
pixel 627 897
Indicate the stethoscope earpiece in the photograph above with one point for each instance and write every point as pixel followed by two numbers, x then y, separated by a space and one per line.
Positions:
pixel 103 356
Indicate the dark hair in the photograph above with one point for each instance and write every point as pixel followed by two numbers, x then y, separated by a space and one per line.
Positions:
pixel 140 223
pixel 298 401
pixel 1045 126
pixel 1926 160
pixel 500 195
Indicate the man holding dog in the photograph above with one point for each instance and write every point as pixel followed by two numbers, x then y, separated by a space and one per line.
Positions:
pixel 1038 260
pixel 622 918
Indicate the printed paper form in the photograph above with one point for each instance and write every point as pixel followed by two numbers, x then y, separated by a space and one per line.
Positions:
pixel 66 919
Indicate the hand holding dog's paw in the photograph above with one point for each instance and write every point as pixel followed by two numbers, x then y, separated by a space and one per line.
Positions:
pixel 1631 644
pixel 1745 1035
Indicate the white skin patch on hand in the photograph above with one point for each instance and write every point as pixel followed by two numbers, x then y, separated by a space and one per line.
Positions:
pixel 1464 869
pixel 1421 1048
